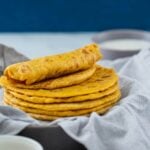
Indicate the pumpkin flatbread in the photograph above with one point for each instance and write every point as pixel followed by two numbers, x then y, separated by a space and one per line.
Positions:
pixel 68 80
pixel 50 118
pixel 54 66
pixel 102 79
pixel 61 113
pixel 64 106
pixel 45 100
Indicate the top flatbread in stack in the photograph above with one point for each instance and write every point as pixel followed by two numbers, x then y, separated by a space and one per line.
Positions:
pixel 63 81
pixel 54 66
pixel 101 80
pixel 69 84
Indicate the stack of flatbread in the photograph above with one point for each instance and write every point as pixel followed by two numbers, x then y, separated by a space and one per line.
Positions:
pixel 64 85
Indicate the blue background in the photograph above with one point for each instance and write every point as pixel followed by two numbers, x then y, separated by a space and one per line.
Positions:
pixel 73 15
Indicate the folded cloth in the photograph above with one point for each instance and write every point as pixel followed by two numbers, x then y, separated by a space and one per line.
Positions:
pixel 125 126
pixel 12 121
pixel 9 56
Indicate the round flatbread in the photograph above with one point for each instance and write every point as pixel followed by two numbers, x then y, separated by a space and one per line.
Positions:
pixel 64 106
pixel 54 66
pixel 45 100
pixel 50 118
pixel 102 79
pixel 68 80
pixel 61 113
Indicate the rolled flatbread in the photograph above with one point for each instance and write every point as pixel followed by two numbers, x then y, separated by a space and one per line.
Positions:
pixel 54 66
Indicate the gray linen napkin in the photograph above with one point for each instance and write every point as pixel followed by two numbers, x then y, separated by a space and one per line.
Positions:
pixel 9 56
pixel 125 126
pixel 12 121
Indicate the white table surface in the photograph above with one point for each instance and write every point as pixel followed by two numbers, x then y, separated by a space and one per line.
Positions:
pixel 40 44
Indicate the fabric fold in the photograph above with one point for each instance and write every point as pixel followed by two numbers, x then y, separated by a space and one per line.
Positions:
pixel 125 126
pixel 127 123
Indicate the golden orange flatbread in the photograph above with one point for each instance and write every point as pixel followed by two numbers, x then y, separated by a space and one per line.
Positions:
pixel 68 80
pixel 61 113
pixel 50 118
pixel 54 66
pixel 64 106
pixel 45 100
pixel 102 79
